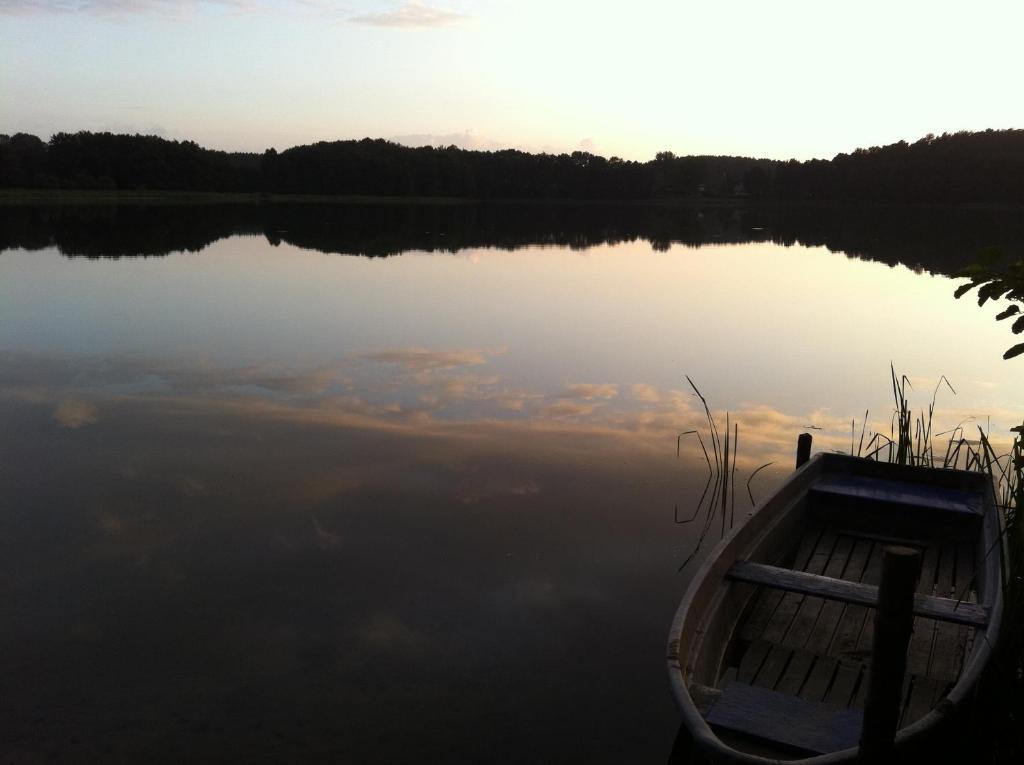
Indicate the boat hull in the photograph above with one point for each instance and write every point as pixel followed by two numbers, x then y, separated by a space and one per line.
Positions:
pixel 707 623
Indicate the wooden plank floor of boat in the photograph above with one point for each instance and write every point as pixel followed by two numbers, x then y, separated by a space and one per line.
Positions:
pixel 819 650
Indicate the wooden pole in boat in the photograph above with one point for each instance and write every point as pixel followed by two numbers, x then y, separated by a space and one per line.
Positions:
pixel 894 621
pixel 803 449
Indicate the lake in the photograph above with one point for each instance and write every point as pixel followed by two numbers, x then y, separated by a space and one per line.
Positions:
pixel 379 482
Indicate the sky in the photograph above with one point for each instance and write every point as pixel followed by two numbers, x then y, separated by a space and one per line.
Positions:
pixel 782 79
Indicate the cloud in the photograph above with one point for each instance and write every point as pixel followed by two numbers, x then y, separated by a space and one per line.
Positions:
pixel 409 14
pixel 283 381
pixel 120 7
pixel 465 386
pixel 564 408
pixel 645 392
pixel 496 487
pixel 75 414
pixel 466 139
pixel 420 359
pixel 591 391
pixel 430 394
pixel 513 401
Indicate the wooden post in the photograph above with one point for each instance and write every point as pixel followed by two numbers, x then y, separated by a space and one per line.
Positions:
pixel 894 621
pixel 803 449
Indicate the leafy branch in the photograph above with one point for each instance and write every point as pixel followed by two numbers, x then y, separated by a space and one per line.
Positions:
pixel 994 283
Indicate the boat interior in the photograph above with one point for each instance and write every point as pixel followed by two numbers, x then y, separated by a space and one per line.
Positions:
pixel 792 679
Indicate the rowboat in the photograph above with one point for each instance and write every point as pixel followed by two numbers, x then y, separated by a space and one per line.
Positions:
pixel 769 652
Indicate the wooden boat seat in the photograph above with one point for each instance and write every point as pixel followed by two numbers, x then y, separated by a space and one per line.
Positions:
pixel 804 727
pixel 940 498
pixel 940 509
pixel 928 606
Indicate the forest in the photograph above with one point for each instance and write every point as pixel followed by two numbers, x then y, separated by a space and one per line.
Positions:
pixel 971 167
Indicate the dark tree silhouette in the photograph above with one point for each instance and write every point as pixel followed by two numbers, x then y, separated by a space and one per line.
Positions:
pixel 962 167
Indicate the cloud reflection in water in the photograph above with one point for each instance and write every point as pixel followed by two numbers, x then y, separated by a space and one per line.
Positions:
pixel 332 539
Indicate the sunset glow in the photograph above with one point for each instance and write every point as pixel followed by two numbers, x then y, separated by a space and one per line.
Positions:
pixel 780 80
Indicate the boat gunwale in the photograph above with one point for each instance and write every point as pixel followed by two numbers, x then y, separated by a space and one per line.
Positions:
pixel 990 533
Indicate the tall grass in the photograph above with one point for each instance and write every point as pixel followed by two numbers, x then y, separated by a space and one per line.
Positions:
pixel 718 499
pixel 911 440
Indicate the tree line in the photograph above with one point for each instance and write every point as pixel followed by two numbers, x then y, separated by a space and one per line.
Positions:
pixel 959 167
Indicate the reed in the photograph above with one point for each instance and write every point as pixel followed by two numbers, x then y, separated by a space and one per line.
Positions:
pixel 718 499
pixel 911 440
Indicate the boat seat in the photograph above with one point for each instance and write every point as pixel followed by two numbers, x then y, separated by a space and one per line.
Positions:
pixel 928 606
pixel 939 509
pixel 805 727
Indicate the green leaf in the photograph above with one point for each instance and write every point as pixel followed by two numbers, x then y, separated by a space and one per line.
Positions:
pixel 963 289
pixel 994 289
pixel 1016 350
pixel 1013 309
pixel 1018 326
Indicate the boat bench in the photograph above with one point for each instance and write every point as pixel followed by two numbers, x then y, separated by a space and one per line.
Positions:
pixel 896 504
pixel 805 727
pixel 928 606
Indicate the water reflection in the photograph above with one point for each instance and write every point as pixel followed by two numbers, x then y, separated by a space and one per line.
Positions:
pixel 256 565
pixel 260 503
pixel 941 240
pixel 242 567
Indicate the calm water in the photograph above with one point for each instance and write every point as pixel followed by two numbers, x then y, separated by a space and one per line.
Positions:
pixel 268 495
